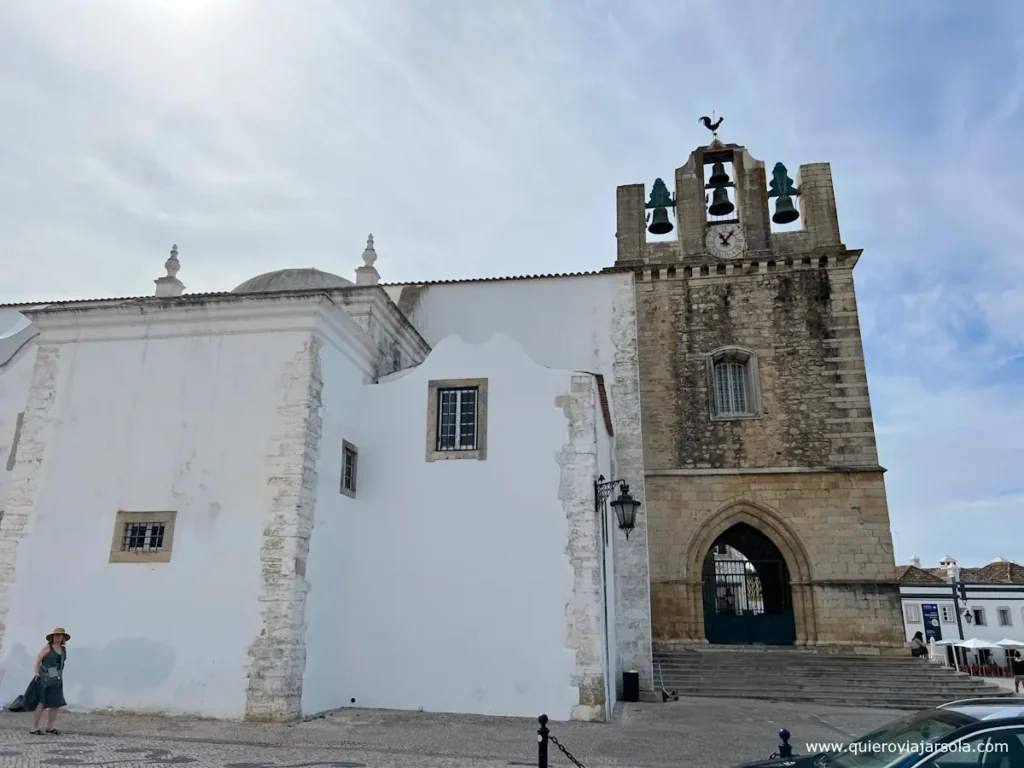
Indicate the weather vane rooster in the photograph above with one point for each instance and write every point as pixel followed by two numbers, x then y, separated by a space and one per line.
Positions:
pixel 711 126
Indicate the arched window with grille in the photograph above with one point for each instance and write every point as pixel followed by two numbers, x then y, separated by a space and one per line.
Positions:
pixel 734 384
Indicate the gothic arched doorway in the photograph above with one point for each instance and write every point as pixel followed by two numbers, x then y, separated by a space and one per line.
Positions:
pixel 746 587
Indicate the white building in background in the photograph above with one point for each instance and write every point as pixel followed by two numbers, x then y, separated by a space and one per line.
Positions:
pixel 737 584
pixel 309 493
pixel 953 603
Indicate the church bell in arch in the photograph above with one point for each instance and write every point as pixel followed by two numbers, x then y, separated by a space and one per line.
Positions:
pixel 785 213
pixel 660 201
pixel 660 225
pixel 782 189
pixel 721 205
pixel 719 178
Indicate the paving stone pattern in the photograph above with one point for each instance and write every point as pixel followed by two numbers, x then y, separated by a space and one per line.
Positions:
pixel 708 733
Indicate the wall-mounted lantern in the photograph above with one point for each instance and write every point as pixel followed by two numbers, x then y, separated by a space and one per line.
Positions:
pixel 625 506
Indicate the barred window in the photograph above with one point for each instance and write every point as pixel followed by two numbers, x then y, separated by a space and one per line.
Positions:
pixel 142 537
pixel 734 384
pixel 349 468
pixel 13 457
pixel 457 419
pixel 730 388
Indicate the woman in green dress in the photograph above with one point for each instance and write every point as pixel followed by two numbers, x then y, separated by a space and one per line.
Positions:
pixel 50 674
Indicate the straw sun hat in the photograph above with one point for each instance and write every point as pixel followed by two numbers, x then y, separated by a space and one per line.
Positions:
pixel 58 631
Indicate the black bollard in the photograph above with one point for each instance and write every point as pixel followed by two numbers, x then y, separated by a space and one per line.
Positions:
pixel 542 742
pixel 785 748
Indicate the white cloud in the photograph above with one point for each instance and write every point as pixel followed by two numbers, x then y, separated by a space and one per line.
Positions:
pixel 485 138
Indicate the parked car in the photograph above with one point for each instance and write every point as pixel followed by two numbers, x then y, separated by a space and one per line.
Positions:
pixel 973 733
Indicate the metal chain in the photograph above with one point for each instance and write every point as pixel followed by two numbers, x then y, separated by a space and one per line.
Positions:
pixel 566 752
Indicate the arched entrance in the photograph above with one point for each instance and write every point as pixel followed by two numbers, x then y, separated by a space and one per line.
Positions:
pixel 746 588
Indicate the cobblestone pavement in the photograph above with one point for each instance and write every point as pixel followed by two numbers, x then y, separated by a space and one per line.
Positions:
pixel 711 733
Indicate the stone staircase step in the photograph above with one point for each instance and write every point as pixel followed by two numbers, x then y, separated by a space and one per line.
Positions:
pixel 767 657
pixel 838 669
pixel 852 675
pixel 894 702
pixel 909 674
pixel 898 682
pixel 737 685
pixel 938 690
pixel 954 684
pixel 848 668
pixel 882 664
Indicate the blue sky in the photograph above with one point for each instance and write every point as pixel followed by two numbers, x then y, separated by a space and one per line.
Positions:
pixel 486 137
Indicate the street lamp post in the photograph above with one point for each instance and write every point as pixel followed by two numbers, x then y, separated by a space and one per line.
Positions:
pixel 960 595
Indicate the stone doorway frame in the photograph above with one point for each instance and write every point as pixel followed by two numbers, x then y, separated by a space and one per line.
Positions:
pixel 771 524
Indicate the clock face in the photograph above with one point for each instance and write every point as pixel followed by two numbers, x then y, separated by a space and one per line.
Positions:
pixel 725 241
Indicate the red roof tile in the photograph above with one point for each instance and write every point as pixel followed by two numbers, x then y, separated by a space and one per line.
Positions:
pixel 911 574
pixel 1000 572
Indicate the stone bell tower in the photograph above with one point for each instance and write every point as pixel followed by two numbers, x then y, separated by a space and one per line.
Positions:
pixel 767 512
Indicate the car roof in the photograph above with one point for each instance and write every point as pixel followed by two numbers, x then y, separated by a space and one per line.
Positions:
pixel 989 708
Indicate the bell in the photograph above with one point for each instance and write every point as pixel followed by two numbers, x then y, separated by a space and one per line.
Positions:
pixel 660 225
pixel 720 203
pixel 719 178
pixel 784 210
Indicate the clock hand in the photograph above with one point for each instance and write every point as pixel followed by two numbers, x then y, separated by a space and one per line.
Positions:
pixel 728 238
pixel 722 240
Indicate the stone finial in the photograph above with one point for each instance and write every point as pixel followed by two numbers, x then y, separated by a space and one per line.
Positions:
pixel 915 561
pixel 170 285
pixel 369 255
pixel 172 265
pixel 367 274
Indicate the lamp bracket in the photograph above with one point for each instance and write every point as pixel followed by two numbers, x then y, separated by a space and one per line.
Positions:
pixel 603 489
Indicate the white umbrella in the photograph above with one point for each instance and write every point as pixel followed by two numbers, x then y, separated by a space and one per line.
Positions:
pixel 975 643
pixel 1008 643
pixel 944 660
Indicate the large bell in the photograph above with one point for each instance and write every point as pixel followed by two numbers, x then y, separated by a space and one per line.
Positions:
pixel 720 203
pixel 719 178
pixel 785 213
pixel 660 225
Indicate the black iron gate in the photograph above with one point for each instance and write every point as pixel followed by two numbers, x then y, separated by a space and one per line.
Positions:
pixel 747 602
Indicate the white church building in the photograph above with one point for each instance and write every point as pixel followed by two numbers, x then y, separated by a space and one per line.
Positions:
pixel 311 492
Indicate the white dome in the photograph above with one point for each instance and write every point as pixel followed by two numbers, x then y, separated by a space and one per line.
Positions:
pixel 304 279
